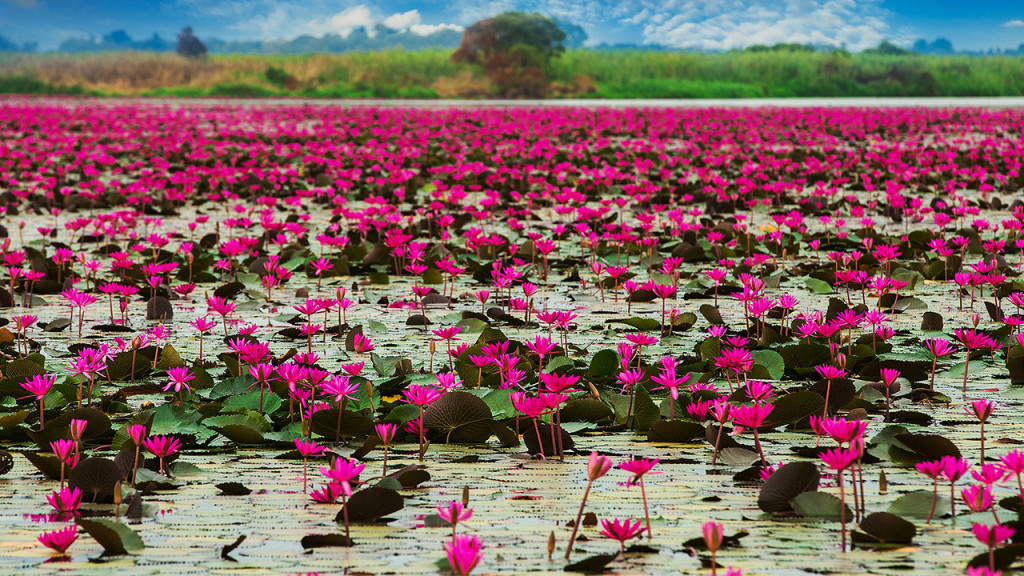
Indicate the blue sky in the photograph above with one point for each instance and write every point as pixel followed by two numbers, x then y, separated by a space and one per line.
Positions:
pixel 697 24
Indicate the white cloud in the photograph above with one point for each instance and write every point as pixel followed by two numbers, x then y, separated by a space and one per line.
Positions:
pixel 403 20
pixel 1013 23
pixel 343 23
pixel 428 29
pixel 278 20
pixel 729 24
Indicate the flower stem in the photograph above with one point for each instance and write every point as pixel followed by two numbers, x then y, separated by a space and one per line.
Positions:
pixel 842 511
pixel 935 499
pixel 647 514
pixel 579 517
pixel 421 433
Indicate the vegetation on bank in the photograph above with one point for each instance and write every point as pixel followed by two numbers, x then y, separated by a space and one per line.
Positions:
pixel 576 74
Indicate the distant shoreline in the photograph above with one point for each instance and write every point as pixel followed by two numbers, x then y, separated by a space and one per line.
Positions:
pixel 577 76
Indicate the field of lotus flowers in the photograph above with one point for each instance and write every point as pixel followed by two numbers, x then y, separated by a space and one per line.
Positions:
pixel 291 339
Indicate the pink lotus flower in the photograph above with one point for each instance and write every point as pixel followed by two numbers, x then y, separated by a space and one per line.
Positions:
pixel 620 530
pixel 597 466
pixel 307 448
pixel 638 467
pixel 454 513
pixel 753 417
pixel 992 536
pixel 844 431
pixel 421 396
pixel 464 553
pixel 977 497
pixel 222 308
pixel 65 500
pixel 38 386
pixel 60 540
pixel 179 378
pixel 386 433
pixel 326 494
pixel 161 446
pixel 714 535
pixel 342 472
pixel 362 344
pixel 938 348
pixel 972 340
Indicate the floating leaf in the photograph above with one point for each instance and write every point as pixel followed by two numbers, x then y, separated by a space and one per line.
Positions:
pixel 96 478
pixel 641 324
pixel 546 437
pixel 1004 558
pixel 711 314
pixel 796 406
pixel 461 416
pixel 385 366
pixel 772 361
pixel 325 541
pixel 116 538
pixel 588 409
pixel 371 504
pixel 412 478
pixel 728 541
pixel 676 431
pixel 603 365
pixel 819 505
pixel 353 425
pixel 233 489
pixel 928 446
pixel 250 401
pixel 787 483
pixel 592 564
pixel 248 419
pixel 48 464
pixel 818 286
pixel 885 528
pixel 737 456
pixel 917 504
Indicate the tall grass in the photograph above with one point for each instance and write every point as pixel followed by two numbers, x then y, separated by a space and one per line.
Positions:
pixel 431 74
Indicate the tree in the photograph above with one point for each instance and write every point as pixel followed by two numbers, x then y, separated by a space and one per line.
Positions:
pixel 189 45
pixel 513 48
pixel 575 35
pixel 7 45
pixel 887 48
pixel 941 46
pixel 118 38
